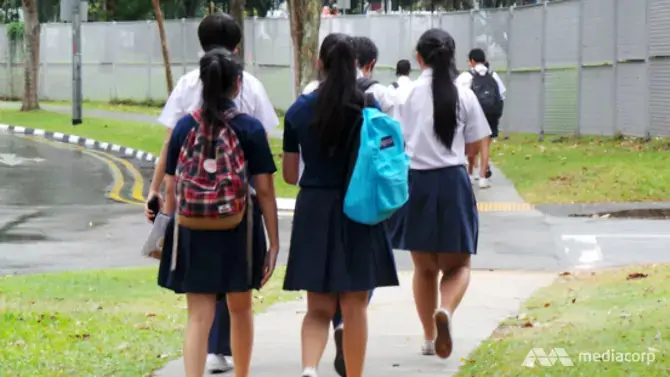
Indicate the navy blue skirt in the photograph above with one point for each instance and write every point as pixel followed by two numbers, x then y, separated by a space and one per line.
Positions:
pixel 329 253
pixel 440 215
pixel 214 261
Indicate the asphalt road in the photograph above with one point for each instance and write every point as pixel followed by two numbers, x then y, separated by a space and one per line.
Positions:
pixel 64 208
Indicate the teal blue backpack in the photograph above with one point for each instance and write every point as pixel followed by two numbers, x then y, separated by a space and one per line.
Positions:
pixel 378 172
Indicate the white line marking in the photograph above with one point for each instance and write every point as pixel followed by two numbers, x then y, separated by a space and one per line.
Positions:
pixel 590 251
pixel 635 235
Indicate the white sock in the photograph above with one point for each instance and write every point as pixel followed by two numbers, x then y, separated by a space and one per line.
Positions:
pixel 309 372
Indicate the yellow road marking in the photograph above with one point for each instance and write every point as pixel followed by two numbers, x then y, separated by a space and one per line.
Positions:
pixel 138 184
pixel 504 207
pixel 115 192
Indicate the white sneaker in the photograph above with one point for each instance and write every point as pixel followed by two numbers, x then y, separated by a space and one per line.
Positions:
pixel 473 179
pixel 309 372
pixel 219 364
pixel 484 183
pixel 428 348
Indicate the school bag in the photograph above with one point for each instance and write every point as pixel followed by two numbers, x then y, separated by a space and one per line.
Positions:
pixel 365 83
pixel 377 176
pixel 212 182
pixel 486 89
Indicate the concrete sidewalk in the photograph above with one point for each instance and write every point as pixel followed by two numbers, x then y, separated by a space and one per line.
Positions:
pixel 395 333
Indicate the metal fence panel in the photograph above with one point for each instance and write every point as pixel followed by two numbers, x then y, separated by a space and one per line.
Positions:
pixel 659 28
pixel 525 45
pixel 490 34
pixel 632 31
pixel 659 89
pixel 458 25
pixel 596 117
pixel 597 31
pixel 562 34
pixel 632 86
pixel 520 109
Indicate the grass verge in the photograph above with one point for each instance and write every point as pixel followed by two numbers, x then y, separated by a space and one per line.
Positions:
pixel 143 136
pixel 96 323
pixel 622 313
pixel 585 170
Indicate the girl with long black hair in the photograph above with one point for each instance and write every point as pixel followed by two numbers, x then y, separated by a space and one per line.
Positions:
pixel 331 257
pixel 210 263
pixel 442 123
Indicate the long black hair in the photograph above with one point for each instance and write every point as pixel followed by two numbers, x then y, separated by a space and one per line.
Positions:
pixel 436 48
pixel 219 73
pixel 338 93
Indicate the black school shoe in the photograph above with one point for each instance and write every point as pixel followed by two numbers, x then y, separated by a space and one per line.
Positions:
pixel 339 355
pixel 488 172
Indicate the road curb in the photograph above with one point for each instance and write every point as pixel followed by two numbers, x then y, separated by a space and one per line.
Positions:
pixel 283 204
pixel 81 141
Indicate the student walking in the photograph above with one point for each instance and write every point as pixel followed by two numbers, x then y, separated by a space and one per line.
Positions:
pixel 212 156
pixel 366 58
pixel 402 70
pixel 216 30
pixel 490 91
pixel 336 260
pixel 442 123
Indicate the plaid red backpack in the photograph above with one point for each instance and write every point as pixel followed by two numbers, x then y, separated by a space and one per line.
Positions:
pixel 212 181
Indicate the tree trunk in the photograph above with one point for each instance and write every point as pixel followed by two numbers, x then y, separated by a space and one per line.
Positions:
pixel 237 10
pixel 164 49
pixel 305 20
pixel 31 63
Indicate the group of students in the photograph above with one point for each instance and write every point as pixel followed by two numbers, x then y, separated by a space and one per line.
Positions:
pixel 337 261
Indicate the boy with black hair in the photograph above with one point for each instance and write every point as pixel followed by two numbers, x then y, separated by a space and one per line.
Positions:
pixel 402 70
pixel 218 30
pixel 490 91
pixel 366 59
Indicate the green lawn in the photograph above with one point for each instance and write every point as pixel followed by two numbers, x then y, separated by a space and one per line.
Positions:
pixel 114 106
pixel 144 136
pixel 621 312
pixel 115 322
pixel 585 170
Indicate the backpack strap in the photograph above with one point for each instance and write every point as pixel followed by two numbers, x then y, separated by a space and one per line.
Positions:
pixel 395 84
pixel 365 83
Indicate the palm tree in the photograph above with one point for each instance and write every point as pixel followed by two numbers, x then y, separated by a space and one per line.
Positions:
pixel 164 49
pixel 305 19
pixel 31 35
pixel 237 10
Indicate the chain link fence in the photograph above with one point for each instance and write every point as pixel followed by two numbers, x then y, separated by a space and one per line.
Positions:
pixel 597 67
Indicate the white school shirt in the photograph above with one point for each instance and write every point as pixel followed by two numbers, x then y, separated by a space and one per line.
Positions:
pixel 465 78
pixel 414 111
pixel 187 96
pixel 402 81
pixel 382 94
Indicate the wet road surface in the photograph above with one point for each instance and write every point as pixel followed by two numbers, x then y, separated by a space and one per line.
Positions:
pixel 37 174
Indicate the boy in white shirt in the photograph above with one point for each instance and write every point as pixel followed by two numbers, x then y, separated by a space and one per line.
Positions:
pixel 480 78
pixel 402 70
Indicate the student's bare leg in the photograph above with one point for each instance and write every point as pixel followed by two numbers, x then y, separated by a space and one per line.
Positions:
pixel 425 290
pixel 241 330
pixel 484 158
pixel 201 309
pixel 455 269
pixel 471 164
pixel 315 326
pixel 354 311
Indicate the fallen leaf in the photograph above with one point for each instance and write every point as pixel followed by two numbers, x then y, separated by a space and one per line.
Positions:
pixel 522 316
pixel 636 275
pixel 658 336
pixel 527 324
pixel 547 304
pixel 150 314
pixel 81 336
pixel 565 273
pixel 122 346
pixel 141 326
pixel 573 300
pixel 624 315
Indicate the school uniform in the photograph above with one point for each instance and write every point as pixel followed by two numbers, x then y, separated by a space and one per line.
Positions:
pixel 329 253
pixel 465 79
pixel 441 213
pixel 253 100
pixel 215 262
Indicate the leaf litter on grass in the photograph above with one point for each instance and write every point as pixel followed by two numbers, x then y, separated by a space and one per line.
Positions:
pixel 588 312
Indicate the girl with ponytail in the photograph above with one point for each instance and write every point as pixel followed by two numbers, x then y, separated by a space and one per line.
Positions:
pixel 215 263
pixel 334 259
pixel 442 123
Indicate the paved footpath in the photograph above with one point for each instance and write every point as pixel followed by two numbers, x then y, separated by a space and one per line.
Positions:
pixel 395 333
